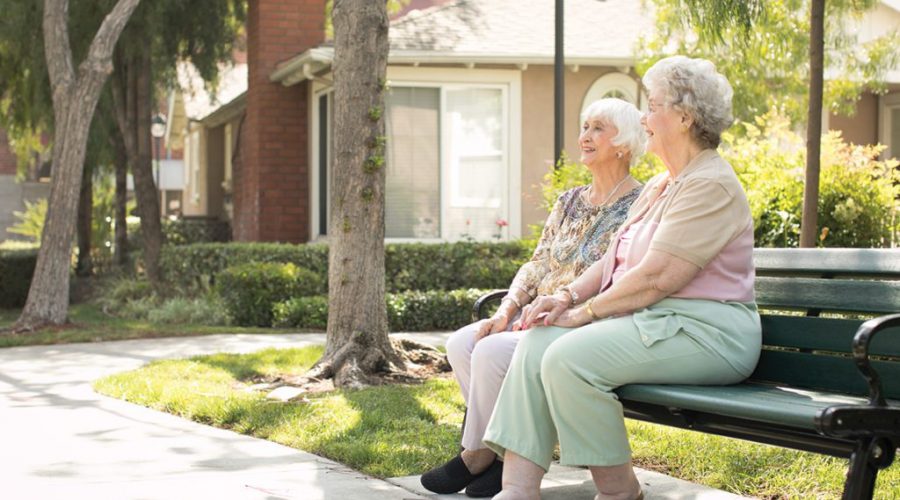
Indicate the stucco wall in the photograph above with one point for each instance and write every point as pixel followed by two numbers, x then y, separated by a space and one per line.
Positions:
pixel 862 127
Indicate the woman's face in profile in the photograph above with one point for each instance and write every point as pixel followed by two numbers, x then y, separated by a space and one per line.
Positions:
pixel 596 142
pixel 661 121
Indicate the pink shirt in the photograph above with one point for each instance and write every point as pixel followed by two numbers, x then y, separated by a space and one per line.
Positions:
pixel 702 217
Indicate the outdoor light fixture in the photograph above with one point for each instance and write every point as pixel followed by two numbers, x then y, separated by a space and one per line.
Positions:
pixel 158 130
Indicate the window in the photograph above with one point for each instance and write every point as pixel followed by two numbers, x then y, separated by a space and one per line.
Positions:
pixel 612 85
pixel 448 158
pixel 412 157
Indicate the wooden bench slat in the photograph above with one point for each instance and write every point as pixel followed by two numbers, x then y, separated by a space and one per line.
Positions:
pixel 825 373
pixel 866 261
pixel 824 334
pixel 829 295
pixel 750 401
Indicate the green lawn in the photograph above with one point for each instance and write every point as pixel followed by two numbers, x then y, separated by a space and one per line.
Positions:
pixel 402 430
pixel 90 324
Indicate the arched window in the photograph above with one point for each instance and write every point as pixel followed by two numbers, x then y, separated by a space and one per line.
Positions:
pixel 613 85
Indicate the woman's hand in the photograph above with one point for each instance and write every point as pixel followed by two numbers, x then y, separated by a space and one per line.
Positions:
pixel 495 324
pixel 574 317
pixel 543 311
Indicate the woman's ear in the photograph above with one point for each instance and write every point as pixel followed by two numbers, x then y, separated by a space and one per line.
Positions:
pixel 686 121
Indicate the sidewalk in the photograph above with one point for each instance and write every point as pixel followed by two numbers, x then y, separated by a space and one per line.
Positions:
pixel 62 440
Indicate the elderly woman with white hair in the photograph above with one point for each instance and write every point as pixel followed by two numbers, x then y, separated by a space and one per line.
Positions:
pixel 576 235
pixel 671 301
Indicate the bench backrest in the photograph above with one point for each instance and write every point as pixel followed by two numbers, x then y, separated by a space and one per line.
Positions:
pixel 811 348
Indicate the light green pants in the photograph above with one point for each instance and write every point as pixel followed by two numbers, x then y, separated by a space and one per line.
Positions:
pixel 560 381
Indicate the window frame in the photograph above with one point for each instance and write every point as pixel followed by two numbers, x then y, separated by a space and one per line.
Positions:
pixel 510 81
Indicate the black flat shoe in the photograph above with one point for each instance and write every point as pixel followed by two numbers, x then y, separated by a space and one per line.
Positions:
pixel 448 478
pixel 488 483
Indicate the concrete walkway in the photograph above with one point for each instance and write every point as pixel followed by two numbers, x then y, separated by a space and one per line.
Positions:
pixel 60 439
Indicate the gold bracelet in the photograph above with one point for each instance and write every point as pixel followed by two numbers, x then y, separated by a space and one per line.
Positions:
pixel 590 309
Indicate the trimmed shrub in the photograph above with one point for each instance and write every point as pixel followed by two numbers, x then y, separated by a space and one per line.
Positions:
pixel 199 265
pixel 302 312
pixel 16 270
pixel 408 266
pixel 250 291
pixel 410 311
pixel 190 230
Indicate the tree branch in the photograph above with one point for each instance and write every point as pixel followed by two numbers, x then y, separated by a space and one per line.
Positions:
pixel 56 47
pixel 99 57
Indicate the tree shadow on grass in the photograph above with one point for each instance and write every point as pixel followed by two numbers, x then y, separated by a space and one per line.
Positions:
pixel 384 431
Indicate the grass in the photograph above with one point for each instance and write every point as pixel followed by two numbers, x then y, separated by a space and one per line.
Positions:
pixel 383 431
pixel 402 430
pixel 90 324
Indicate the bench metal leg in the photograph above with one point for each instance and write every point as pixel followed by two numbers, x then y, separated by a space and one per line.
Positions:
pixel 870 455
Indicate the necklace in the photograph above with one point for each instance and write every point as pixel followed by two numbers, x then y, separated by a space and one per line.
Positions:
pixel 611 193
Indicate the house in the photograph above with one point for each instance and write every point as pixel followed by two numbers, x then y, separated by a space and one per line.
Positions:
pixel 469 114
pixel 201 138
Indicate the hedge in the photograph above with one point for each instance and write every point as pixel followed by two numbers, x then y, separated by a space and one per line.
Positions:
pixel 408 266
pixel 250 290
pixel 16 269
pixel 410 311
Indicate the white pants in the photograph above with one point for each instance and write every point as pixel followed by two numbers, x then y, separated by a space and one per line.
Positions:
pixel 480 369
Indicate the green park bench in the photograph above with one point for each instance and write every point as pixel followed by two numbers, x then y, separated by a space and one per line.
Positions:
pixel 825 383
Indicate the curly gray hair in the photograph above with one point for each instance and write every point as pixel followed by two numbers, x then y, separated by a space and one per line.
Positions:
pixel 696 88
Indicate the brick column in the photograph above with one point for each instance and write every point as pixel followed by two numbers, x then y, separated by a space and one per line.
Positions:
pixel 271 198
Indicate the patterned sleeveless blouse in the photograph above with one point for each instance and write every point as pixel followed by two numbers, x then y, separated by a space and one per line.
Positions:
pixel 575 236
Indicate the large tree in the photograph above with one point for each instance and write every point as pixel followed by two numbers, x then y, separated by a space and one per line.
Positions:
pixel 357 344
pixel 75 94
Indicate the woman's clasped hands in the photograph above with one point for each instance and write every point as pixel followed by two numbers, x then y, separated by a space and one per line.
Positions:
pixel 552 310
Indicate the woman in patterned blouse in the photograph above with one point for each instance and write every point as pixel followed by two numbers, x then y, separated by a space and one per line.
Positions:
pixel 575 235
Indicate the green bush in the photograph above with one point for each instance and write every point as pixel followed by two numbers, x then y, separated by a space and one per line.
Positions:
pixel 857 194
pixel 408 266
pixel 410 311
pixel 16 270
pixel 187 231
pixel 250 291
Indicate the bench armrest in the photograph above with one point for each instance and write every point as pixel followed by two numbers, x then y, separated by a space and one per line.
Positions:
pixel 484 300
pixel 861 341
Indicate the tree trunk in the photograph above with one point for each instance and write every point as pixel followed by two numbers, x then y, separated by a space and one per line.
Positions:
pixel 75 96
pixel 357 343
pixel 84 267
pixel 132 98
pixel 121 203
pixel 809 223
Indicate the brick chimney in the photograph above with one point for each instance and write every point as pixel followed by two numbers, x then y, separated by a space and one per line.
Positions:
pixel 271 199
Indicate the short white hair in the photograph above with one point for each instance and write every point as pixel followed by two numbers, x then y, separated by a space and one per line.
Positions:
pixel 626 118
pixel 696 88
